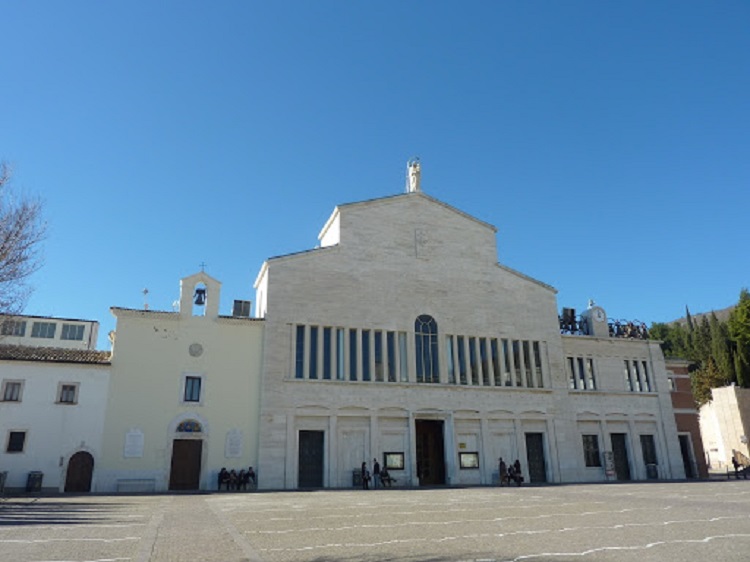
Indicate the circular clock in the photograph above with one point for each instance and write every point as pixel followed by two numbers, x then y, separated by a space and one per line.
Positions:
pixel 599 315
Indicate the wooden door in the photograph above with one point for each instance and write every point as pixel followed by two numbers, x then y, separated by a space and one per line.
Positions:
pixel 79 473
pixel 185 473
pixel 535 457
pixel 620 453
pixel 430 452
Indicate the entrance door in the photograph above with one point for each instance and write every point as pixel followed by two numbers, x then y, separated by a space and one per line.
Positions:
pixel 185 473
pixel 310 471
pixel 535 457
pixel 80 471
pixel 620 453
pixel 687 456
pixel 430 452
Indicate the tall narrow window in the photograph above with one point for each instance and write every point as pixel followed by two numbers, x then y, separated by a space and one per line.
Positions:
pixel 299 353
pixel 326 353
pixel 538 365
pixel 527 365
pixel 507 375
pixel 484 361
pixel 646 378
pixel 426 345
pixel 451 361
pixel 628 377
pixel 340 353
pixel 571 373
pixel 517 362
pixel 637 377
pixel 379 364
pixel 390 339
pixel 581 374
pixel 461 360
pixel 313 352
pixel 496 363
pixel 403 357
pixel 353 355
pixel 590 375
pixel 473 363
pixel 365 355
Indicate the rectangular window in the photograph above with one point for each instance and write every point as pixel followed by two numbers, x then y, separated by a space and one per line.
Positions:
pixel 538 364
pixel 340 351
pixel 571 373
pixel 43 330
pixel 379 366
pixel 68 393
pixel 13 328
pixel 12 391
pixel 365 355
pixel 581 374
pixel 313 373
pixel 628 377
pixel 404 368
pixel 299 353
pixel 353 355
pixel 390 340
pixel 508 369
pixel 590 376
pixel 451 359
pixel 72 332
pixel 527 365
pixel 473 361
pixel 517 362
pixel 327 353
pixel 646 379
pixel 496 363
pixel 591 450
pixel 16 442
pixel 461 360
pixel 637 377
pixel 485 363
pixel 192 389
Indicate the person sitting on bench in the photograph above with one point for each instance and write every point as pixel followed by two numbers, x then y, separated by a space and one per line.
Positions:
pixel 386 478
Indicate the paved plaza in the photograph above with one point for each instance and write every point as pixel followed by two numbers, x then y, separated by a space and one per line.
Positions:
pixel 608 523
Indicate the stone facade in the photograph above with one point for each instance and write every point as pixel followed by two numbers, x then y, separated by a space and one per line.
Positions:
pixel 725 426
pixel 402 339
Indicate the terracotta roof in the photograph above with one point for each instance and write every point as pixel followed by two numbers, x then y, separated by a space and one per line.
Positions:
pixel 53 354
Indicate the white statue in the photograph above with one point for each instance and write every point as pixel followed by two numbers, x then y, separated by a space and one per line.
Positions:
pixel 413 173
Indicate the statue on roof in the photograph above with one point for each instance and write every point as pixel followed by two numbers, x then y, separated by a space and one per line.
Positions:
pixel 413 175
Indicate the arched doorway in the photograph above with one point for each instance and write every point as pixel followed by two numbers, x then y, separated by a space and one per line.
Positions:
pixel 80 471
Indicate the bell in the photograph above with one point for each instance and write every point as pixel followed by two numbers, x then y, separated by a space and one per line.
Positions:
pixel 200 297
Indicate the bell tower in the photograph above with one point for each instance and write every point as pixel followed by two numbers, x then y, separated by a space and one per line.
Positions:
pixel 199 295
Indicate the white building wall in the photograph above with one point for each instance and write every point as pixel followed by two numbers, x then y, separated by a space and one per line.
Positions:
pixel 54 431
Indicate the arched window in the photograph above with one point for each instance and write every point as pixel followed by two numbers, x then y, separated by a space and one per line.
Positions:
pixel 189 426
pixel 426 345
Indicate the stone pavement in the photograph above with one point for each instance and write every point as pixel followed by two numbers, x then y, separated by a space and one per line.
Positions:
pixel 634 522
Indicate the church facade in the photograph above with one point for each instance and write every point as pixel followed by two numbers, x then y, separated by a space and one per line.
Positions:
pixel 402 339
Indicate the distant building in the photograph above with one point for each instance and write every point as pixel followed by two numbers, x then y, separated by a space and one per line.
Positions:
pixel 45 331
pixel 686 418
pixel 725 426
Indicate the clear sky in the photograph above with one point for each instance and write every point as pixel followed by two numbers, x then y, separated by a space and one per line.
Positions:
pixel 607 141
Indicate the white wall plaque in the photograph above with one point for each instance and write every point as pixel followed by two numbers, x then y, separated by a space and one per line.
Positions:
pixel 233 445
pixel 133 444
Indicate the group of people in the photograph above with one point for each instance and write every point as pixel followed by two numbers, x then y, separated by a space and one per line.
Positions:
pixel 379 474
pixel 232 480
pixel 509 473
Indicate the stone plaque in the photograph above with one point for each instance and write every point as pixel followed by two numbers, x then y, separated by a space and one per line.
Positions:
pixel 233 445
pixel 133 444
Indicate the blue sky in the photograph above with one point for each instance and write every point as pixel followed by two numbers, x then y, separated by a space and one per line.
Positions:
pixel 607 141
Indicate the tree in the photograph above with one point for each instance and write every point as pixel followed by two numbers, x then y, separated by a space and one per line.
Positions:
pixel 21 231
pixel 739 330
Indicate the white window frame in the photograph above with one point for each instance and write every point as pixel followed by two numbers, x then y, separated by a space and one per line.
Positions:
pixel 66 328
pixel 11 327
pixel 183 388
pixel 6 383
pixel 60 387
pixel 45 330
